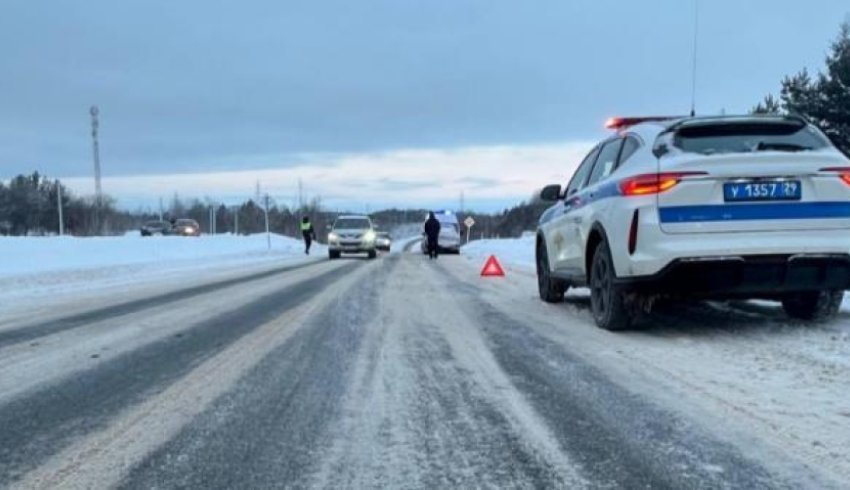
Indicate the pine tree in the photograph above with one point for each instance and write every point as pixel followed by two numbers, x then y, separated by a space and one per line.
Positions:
pixel 824 100
pixel 770 105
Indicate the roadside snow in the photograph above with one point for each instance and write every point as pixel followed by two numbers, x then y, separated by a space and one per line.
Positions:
pixel 33 255
pixel 511 252
pixel 34 267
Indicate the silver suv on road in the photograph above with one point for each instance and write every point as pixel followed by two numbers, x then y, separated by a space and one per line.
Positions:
pixel 352 235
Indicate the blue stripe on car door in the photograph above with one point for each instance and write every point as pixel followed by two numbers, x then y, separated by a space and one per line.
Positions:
pixel 743 212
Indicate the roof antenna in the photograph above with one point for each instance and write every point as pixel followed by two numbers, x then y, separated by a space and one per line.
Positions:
pixel 694 61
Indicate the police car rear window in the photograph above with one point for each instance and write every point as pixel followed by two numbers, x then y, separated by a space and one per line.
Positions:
pixel 746 137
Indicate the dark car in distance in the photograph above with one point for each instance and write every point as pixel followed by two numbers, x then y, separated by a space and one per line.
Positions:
pixel 383 242
pixel 156 227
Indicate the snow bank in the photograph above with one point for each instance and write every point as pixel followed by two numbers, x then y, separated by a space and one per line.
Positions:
pixel 34 269
pixel 511 252
pixel 32 255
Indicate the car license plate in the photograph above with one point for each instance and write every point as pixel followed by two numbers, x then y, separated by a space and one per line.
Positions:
pixel 779 190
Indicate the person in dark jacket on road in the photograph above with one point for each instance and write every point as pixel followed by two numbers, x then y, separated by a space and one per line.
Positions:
pixel 308 233
pixel 432 234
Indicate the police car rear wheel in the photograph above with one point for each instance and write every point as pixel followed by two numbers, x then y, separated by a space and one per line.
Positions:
pixel 813 305
pixel 551 290
pixel 606 299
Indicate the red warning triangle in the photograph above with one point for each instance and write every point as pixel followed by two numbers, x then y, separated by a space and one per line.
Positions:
pixel 492 268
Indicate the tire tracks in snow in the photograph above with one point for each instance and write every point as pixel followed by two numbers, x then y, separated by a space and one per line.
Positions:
pixel 271 430
pixel 38 425
pixel 428 407
pixel 774 388
pixel 34 331
pixel 619 438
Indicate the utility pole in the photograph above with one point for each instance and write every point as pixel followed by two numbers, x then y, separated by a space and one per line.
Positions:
pixel 300 194
pixel 236 221
pixel 160 208
pixel 98 191
pixel 59 205
pixel 268 233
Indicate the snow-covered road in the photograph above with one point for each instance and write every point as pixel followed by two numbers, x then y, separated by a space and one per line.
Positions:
pixel 403 372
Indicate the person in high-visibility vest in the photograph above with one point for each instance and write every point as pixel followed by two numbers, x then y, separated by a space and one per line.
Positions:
pixel 308 233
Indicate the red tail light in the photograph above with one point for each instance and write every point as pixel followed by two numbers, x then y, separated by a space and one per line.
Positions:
pixel 843 173
pixel 641 185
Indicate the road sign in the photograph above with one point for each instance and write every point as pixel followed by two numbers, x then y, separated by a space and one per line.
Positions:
pixel 492 268
pixel 469 222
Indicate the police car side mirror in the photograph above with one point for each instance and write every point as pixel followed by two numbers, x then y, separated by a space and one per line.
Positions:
pixel 550 193
pixel 660 150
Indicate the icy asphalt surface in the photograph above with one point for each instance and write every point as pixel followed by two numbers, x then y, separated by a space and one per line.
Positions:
pixel 393 373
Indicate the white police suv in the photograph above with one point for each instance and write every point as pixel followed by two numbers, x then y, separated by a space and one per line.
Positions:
pixel 712 207
pixel 449 239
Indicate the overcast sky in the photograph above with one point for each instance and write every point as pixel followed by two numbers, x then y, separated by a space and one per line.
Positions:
pixel 372 103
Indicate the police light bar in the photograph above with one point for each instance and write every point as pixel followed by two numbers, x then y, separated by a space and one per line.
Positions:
pixel 618 123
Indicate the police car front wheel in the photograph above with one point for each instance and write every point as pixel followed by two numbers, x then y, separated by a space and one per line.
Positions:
pixel 551 290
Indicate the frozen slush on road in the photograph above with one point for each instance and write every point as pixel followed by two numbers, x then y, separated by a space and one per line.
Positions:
pixel 741 365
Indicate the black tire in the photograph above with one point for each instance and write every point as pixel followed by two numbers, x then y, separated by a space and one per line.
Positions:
pixel 607 301
pixel 551 290
pixel 333 255
pixel 813 305
pixel 372 254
